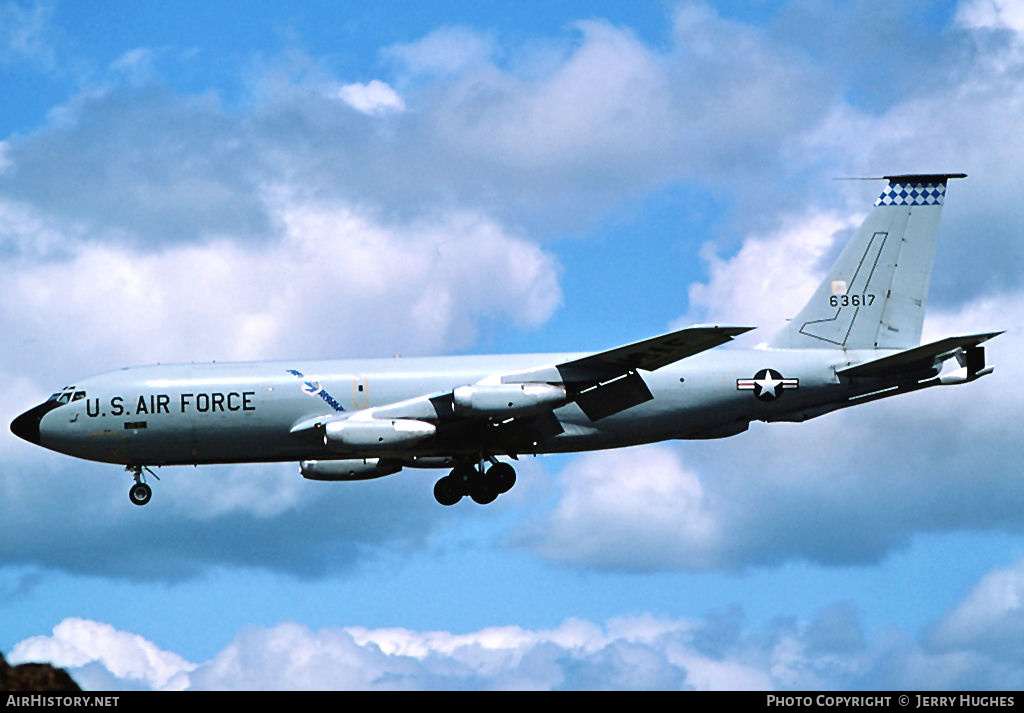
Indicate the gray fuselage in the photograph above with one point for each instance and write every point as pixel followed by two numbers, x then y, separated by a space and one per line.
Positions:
pixel 245 412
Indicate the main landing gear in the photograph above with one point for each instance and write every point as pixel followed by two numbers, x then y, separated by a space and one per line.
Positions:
pixel 140 493
pixel 473 480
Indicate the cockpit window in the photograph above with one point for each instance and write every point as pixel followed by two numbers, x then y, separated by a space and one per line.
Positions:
pixel 67 395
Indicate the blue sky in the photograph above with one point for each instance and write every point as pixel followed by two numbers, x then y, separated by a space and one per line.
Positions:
pixel 239 181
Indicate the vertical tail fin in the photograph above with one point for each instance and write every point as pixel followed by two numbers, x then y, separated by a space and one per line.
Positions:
pixel 874 296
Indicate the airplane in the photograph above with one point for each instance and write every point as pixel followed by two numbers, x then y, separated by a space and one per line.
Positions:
pixel 857 340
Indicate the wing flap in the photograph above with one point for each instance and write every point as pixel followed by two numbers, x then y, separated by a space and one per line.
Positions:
pixel 609 398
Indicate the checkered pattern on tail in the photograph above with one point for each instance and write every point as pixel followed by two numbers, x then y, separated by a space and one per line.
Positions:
pixel 912 194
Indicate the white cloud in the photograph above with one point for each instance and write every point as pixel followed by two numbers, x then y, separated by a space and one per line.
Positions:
pixel 966 120
pixel 318 290
pixel 990 619
pixel 76 643
pixel 374 97
pixel 974 646
pixel 608 102
pixel 634 652
pixel 25 32
pixel 771 277
pixel 611 118
pixel 630 509
pixel 991 14
pixel 137 64
pixel 445 52
pixel 616 102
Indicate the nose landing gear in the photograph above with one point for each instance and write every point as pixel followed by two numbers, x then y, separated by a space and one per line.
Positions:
pixel 483 486
pixel 140 493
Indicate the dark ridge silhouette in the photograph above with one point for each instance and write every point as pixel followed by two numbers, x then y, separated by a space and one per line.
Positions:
pixel 34 677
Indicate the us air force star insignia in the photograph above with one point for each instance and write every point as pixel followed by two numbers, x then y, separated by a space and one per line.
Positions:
pixel 767 384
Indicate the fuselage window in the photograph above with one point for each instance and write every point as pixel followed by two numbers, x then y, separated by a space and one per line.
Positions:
pixel 78 395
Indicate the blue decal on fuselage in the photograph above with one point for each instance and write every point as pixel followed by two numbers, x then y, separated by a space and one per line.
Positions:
pixel 313 388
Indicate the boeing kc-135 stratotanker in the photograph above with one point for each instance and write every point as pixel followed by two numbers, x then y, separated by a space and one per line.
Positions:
pixel 856 340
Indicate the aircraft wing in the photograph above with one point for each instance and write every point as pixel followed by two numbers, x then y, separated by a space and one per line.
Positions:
pixel 607 382
pixel 648 354
pixel 917 359
pixel 602 383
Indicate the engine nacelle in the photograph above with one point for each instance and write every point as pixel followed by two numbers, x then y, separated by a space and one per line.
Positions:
pixel 376 433
pixel 354 469
pixel 505 400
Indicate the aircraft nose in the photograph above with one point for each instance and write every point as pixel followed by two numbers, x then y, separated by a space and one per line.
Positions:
pixel 27 424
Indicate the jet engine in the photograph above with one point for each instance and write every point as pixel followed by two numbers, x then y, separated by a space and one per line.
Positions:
pixel 376 433
pixel 354 469
pixel 504 400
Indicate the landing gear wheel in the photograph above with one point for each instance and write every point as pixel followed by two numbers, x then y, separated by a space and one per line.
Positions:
pixel 140 493
pixel 484 490
pixel 463 477
pixel 468 479
pixel 503 476
pixel 447 491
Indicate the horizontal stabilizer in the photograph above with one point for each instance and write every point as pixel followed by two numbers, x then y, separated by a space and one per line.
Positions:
pixel 919 178
pixel 648 354
pixel 921 358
